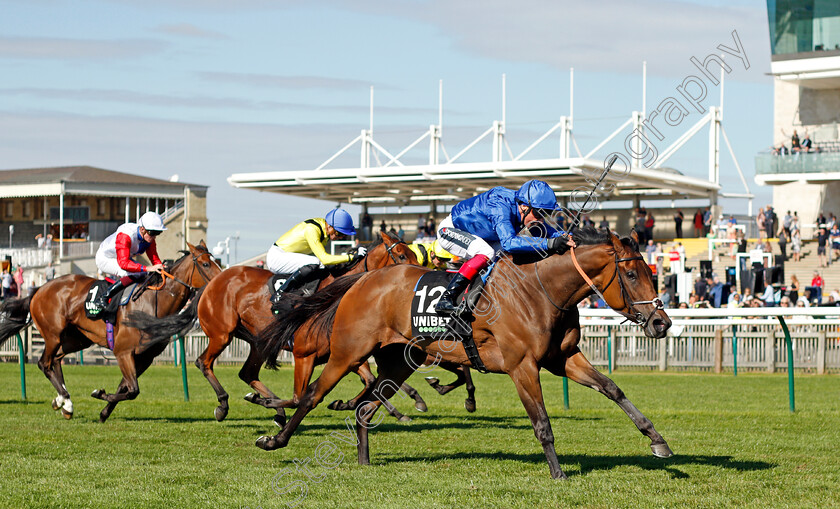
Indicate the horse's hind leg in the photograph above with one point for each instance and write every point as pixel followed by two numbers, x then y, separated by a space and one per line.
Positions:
pixel 129 383
pixel 463 374
pixel 205 361
pixel 581 371
pixel 469 403
pixel 141 363
pixel 368 380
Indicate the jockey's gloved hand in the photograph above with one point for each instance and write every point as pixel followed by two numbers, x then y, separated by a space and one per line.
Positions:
pixel 361 251
pixel 559 244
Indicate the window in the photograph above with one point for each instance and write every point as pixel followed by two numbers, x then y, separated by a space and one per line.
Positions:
pixel 27 208
pixel 10 209
pixel 101 206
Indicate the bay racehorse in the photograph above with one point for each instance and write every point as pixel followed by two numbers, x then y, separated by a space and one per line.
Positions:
pixel 535 324
pixel 58 310
pixel 236 304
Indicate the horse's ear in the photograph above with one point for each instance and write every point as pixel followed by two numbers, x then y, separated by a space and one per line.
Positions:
pixel 616 242
pixel 202 244
pixel 386 238
pixel 192 247
pixel 634 235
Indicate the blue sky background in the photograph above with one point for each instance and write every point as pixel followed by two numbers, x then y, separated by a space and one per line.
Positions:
pixel 207 88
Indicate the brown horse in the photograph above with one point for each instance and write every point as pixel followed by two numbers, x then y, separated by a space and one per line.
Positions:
pixel 57 308
pixel 237 304
pixel 534 325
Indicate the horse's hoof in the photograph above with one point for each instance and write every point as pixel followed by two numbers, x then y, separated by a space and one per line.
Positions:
pixel 220 413
pixel 98 393
pixel 280 420
pixel 267 443
pixel 421 406
pixel 55 404
pixel 469 405
pixel 335 405
pixel 67 415
pixel 252 397
pixel 661 450
pixel 404 418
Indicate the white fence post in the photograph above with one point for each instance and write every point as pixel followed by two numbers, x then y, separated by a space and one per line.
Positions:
pixel 821 353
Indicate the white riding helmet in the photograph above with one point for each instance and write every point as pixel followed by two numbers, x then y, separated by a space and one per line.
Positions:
pixel 152 221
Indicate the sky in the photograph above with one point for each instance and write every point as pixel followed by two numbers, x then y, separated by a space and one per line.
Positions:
pixel 203 89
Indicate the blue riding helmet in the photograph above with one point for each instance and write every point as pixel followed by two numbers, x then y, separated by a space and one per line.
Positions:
pixel 340 220
pixel 538 195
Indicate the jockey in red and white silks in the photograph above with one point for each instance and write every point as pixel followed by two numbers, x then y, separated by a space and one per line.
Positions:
pixel 115 252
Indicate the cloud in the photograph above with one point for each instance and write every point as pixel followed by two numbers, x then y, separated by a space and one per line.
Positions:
pixel 188 30
pixel 289 82
pixel 63 49
pixel 609 35
pixel 197 102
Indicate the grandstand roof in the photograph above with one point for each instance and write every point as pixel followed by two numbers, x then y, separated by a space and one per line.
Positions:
pixel 452 182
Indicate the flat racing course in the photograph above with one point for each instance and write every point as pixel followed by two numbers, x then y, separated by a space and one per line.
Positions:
pixel 735 443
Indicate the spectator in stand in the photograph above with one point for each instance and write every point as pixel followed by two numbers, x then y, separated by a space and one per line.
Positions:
pixel 49 272
pixel 421 226
pixel 793 287
pixel 382 226
pixel 698 223
pixel 802 302
pixel 678 221
pixel 715 291
pixel 18 277
pixel 587 221
pixel 701 287
pixel 786 222
pixel 769 221
pixel 649 222
pixel 604 223
pixel 817 280
pixel 769 296
pixel 6 282
pixel 367 227
pixel 734 300
pixel 659 260
pixel 650 249
pixel 807 145
pixel 832 220
pixel 783 243
pixel 707 221
pixel 794 142
pixel 781 150
pixel 822 244
pixel 821 220
pixel 834 235
pixel 784 302
pixel 759 220
pixel 640 226
pixel 676 261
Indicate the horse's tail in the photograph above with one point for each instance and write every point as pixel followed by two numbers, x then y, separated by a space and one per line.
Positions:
pixel 156 330
pixel 14 316
pixel 319 307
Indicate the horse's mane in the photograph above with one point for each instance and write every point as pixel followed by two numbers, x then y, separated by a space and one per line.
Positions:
pixel 584 236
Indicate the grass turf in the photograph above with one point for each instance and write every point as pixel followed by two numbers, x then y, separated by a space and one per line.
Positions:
pixel 736 445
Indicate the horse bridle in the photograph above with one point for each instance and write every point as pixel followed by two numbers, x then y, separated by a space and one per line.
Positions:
pixel 196 266
pixel 388 250
pixel 637 316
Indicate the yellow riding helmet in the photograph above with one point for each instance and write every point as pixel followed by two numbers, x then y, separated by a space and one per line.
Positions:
pixel 440 252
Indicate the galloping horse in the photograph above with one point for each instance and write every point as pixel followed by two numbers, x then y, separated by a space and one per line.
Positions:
pixel 237 304
pixel 536 325
pixel 57 308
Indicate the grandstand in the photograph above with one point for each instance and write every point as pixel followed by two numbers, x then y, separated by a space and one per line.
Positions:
pixel 805 62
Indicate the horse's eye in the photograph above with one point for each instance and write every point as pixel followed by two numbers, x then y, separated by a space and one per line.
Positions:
pixel 206 264
pixel 403 258
pixel 631 274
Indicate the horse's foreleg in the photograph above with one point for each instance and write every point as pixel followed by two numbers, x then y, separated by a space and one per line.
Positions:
pixel 333 372
pixel 526 377
pixel 579 369
pixel 304 366
pixel 419 403
pixel 205 362
pixel 367 378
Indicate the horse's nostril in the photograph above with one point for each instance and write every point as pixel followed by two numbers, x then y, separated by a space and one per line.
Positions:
pixel 659 324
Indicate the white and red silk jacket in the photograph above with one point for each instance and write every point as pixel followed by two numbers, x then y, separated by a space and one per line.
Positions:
pixel 127 242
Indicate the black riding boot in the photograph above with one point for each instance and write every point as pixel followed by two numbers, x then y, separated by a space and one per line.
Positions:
pixel 446 304
pixel 299 278
pixel 104 298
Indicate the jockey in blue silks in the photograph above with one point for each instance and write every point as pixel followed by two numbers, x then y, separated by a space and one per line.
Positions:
pixel 478 226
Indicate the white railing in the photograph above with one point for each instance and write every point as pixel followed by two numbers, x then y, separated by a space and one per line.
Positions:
pixel 28 257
